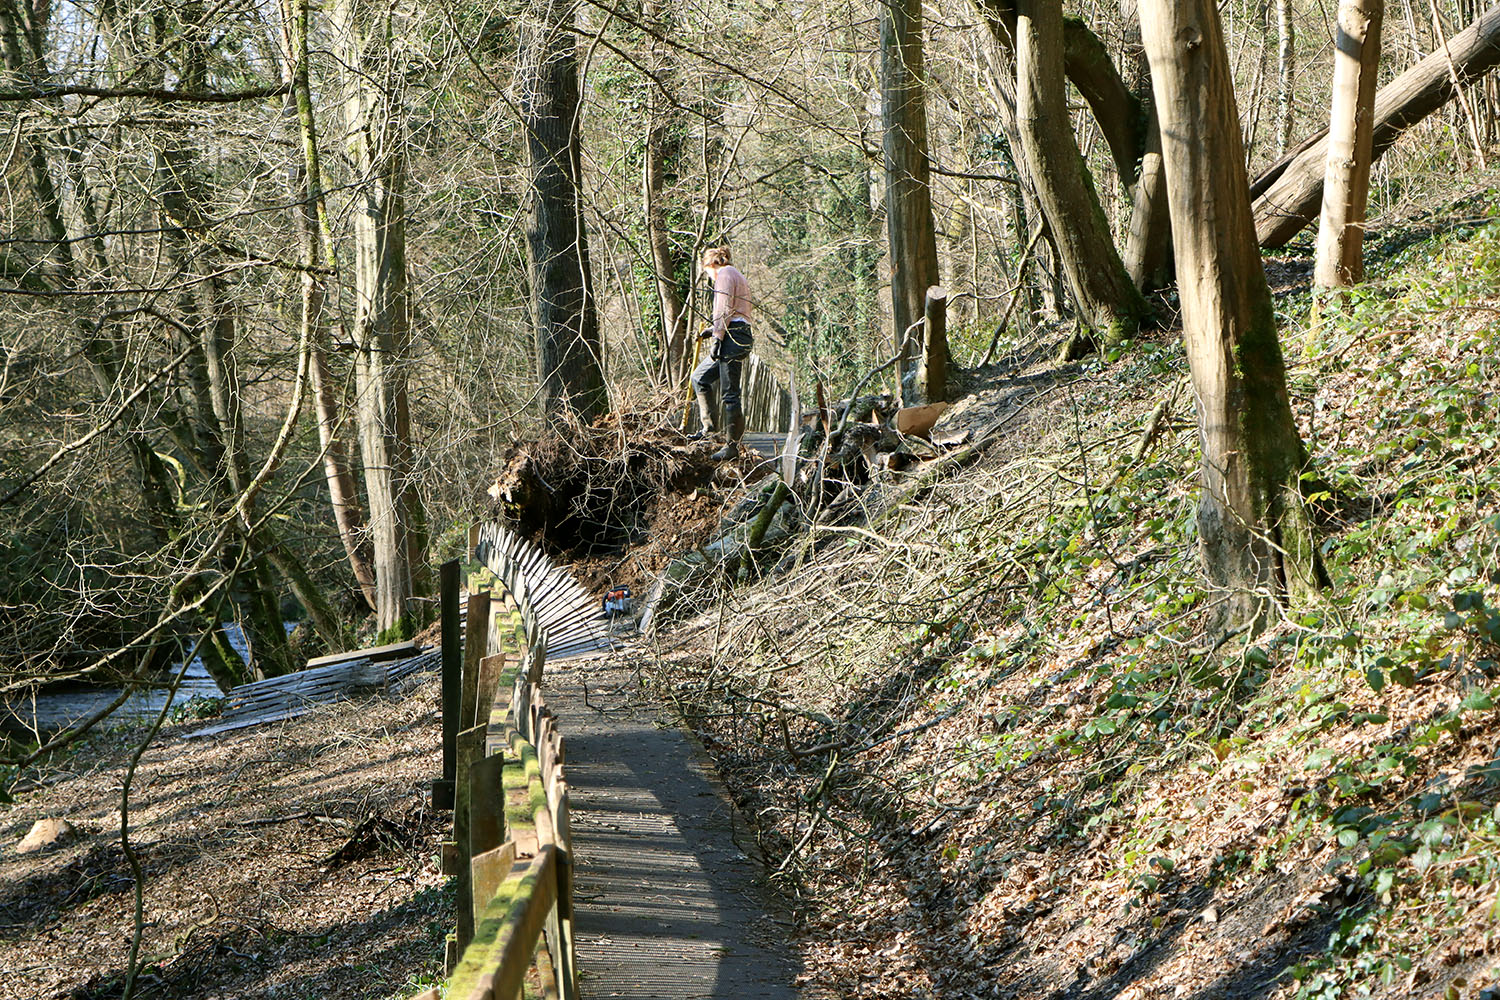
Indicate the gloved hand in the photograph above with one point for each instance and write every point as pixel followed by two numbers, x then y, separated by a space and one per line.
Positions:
pixel 713 348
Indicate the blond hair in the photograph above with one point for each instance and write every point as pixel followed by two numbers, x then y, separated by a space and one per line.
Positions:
pixel 715 257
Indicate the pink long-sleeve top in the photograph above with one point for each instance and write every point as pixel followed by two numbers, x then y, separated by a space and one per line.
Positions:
pixel 731 299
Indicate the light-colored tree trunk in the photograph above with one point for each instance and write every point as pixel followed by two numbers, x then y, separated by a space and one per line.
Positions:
pixel 374 122
pixel 1346 183
pixel 908 196
pixel 1108 301
pixel 1286 68
pixel 1257 540
pixel 317 252
pixel 1148 246
pixel 569 350
pixel 667 267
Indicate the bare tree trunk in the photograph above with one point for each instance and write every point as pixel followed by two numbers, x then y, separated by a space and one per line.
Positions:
pixel 570 363
pixel 374 122
pixel 1346 185
pixel 317 250
pixel 908 197
pixel 1108 302
pixel 1148 247
pixel 1286 67
pixel 1256 537
pixel 1291 190
pixel 666 265
pixel 932 374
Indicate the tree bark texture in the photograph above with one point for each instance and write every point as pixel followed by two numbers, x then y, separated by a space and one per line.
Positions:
pixel 1291 200
pixel 1346 183
pixel 662 147
pixel 1286 68
pixel 908 197
pixel 317 250
pixel 932 375
pixel 1148 246
pixel 1108 301
pixel 1257 540
pixel 570 363
pixel 376 143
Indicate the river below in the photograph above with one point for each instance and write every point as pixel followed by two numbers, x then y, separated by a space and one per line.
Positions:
pixel 41 712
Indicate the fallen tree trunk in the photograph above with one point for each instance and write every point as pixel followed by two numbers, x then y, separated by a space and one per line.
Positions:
pixel 1293 198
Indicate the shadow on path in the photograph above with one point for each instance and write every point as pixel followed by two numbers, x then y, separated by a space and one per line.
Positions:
pixel 668 906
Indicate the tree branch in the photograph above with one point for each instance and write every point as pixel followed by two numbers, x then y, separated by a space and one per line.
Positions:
pixel 148 93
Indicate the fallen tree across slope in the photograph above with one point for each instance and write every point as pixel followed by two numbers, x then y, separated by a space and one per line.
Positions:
pixel 1289 193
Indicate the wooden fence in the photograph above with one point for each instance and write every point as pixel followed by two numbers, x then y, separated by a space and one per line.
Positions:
pixel 503 775
pixel 765 401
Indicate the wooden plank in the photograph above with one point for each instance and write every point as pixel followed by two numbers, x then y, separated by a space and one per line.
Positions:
pixel 487 871
pixel 470 750
pixel 490 669
pixel 393 651
pixel 495 967
pixel 474 633
pixel 486 815
pixel 452 679
pixel 546 968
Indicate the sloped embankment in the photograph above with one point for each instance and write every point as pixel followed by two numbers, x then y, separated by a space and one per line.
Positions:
pixel 993 752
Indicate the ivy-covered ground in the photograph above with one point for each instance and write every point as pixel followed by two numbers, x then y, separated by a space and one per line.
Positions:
pixel 993 750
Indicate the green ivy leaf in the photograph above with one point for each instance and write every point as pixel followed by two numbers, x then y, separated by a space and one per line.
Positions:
pixel 1477 700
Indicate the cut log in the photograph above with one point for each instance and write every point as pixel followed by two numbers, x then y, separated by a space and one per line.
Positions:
pixel 918 420
pixel 1292 200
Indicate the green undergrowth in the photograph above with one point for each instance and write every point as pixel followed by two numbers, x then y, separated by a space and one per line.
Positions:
pixel 1008 692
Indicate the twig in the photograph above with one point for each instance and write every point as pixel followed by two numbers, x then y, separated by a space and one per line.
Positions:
pixel 1015 295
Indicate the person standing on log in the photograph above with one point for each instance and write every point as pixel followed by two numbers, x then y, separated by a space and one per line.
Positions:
pixel 732 313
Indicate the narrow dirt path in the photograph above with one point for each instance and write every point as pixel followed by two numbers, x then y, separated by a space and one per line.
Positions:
pixel 669 904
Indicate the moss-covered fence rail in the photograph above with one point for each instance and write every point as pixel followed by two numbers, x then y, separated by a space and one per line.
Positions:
pixel 503 776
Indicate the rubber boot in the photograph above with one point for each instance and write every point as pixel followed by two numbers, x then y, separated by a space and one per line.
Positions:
pixel 731 447
pixel 705 418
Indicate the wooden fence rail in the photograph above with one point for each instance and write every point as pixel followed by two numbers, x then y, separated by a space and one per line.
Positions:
pixel 512 844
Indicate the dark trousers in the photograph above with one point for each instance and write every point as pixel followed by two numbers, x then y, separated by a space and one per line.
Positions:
pixel 723 366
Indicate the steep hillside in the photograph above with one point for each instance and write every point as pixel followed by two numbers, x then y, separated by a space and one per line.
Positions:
pixel 993 751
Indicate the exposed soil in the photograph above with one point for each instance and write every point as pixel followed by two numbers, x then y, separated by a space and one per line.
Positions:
pixel 294 860
pixel 619 499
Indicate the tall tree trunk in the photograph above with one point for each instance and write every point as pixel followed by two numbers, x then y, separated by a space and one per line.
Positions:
pixel 1286 67
pixel 1346 184
pixel 1108 301
pixel 374 120
pixel 570 364
pixel 1148 247
pixel 908 196
pixel 667 266
pixel 306 183
pixel 1257 539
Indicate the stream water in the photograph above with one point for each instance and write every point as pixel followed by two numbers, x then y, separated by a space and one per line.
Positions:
pixel 50 710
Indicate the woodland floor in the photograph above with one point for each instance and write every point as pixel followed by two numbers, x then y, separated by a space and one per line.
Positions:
pixel 995 748
pixel 287 861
